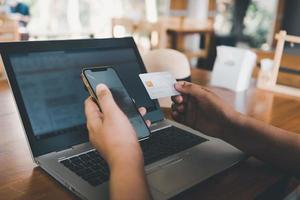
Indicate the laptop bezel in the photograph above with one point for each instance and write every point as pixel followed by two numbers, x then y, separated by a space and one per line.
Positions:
pixel 63 141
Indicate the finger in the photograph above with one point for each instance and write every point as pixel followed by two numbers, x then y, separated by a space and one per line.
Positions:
pixel 92 113
pixel 177 116
pixel 142 111
pixel 174 114
pixel 191 111
pixel 178 107
pixel 148 122
pixel 185 87
pixel 177 99
pixel 106 100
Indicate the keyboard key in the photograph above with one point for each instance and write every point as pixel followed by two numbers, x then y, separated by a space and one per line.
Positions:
pixel 75 160
pixel 67 163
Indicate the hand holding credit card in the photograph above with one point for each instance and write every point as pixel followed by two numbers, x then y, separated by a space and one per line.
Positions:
pixel 159 84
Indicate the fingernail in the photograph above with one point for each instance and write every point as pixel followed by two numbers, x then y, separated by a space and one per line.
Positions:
pixel 181 83
pixel 179 99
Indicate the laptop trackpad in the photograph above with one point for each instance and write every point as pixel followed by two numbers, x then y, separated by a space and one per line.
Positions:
pixel 173 176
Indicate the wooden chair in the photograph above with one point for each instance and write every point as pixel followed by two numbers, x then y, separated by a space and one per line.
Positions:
pixel 135 27
pixel 270 80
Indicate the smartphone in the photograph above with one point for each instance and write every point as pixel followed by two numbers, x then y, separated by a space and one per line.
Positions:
pixel 91 77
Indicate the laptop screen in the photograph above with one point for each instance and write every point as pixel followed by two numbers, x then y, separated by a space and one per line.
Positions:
pixel 53 93
pixel 45 79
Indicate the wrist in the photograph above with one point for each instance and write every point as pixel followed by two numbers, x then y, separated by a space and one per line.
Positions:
pixel 131 157
pixel 234 122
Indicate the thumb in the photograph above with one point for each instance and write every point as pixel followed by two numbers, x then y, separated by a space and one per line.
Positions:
pixel 185 87
pixel 105 99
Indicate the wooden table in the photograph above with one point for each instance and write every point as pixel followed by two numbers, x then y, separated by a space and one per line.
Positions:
pixel 21 179
pixel 178 35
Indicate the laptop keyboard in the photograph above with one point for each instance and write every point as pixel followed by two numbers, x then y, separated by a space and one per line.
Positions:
pixel 166 142
pixel 91 167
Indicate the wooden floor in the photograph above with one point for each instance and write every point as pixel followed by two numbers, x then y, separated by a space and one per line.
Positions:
pixel 21 179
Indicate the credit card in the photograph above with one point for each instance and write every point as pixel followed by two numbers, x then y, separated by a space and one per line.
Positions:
pixel 159 84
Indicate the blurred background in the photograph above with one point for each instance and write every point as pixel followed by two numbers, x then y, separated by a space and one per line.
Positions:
pixel 194 27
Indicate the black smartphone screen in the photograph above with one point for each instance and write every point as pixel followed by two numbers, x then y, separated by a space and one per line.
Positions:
pixel 109 77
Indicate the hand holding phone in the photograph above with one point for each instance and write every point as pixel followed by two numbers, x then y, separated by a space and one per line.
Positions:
pixel 93 76
pixel 112 135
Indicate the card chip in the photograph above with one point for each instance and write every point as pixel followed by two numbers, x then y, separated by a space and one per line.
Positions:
pixel 149 83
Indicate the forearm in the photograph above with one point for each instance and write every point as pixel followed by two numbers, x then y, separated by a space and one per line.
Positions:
pixel 128 181
pixel 268 143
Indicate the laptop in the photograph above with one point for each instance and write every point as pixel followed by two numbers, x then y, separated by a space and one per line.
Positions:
pixel 45 81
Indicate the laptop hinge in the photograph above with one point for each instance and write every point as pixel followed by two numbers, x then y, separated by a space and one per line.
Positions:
pixel 84 147
pixel 64 150
pixel 159 126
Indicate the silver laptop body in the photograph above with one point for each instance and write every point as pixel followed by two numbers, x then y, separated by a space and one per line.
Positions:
pixel 167 177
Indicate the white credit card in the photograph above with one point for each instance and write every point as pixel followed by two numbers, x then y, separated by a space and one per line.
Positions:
pixel 159 84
